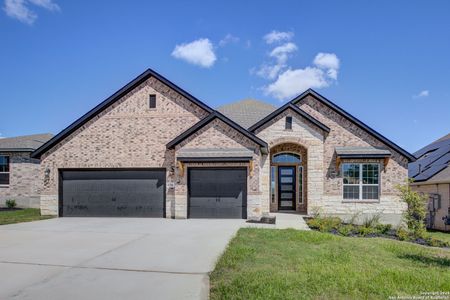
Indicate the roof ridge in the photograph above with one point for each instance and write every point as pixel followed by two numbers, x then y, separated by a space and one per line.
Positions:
pixel 353 119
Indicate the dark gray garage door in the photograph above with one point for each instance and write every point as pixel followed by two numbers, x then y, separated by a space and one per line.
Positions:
pixel 113 193
pixel 218 193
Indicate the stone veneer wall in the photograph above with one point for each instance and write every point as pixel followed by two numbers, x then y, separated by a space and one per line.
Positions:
pixel 218 135
pixel 24 184
pixel 302 133
pixel 346 133
pixel 126 134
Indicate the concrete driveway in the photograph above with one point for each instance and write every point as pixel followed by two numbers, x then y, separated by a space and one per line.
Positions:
pixel 111 258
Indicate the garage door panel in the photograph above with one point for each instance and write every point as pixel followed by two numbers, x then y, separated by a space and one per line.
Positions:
pixel 217 193
pixel 115 193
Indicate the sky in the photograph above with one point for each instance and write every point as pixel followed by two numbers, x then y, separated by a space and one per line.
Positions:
pixel 385 62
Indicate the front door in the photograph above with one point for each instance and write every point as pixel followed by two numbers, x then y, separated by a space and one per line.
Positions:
pixel 286 187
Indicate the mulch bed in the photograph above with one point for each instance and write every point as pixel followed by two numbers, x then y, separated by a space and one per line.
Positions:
pixel 10 209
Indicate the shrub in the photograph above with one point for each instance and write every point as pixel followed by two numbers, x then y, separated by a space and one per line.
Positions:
pixel 365 231
pixel 402 234
pixel 11 203
pixel 346 229
pixel 383 228
pixel 372 221
pixel 415 214
pixel 324 224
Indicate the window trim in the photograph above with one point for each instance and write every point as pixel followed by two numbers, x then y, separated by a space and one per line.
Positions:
pixel 361 184
pixel 9 171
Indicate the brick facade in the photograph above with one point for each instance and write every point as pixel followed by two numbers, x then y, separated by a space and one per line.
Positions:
pixel 219 135
pixel 128 134
pixel 24 185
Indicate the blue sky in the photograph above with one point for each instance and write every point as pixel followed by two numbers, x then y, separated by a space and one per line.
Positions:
pixel 385 62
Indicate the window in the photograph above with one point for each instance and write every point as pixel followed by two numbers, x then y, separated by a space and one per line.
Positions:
pixel 152 101
pixel 300 184
pixel 288 123
pixel 361 181
pixel 4 170
pixel 286 158
pixel 273 175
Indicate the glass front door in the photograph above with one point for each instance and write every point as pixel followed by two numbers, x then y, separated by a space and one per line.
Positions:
pixel 286 187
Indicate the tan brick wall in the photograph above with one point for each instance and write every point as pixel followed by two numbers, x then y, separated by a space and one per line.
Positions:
pixel 218 135
pixel 24 184
pixel 442 189
pixel 126 134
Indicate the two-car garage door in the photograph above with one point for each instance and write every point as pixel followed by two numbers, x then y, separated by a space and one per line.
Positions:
pixel 113 193
pixel 213 193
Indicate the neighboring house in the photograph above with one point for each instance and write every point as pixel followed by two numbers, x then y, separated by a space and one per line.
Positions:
pixel 19 173
pixel 154 150
pixel 431 175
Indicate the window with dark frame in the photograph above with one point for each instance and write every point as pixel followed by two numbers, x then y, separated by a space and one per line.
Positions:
pixel 4 170
pixel 288 122
pixel 152 101
pixel 361 181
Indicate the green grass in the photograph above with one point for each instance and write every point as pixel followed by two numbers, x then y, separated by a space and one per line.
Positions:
pixel 22 215
pixel 444 236
pixel 290 264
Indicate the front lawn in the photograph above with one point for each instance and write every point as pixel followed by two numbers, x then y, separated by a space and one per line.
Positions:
pixel 21 215
pixel 290 264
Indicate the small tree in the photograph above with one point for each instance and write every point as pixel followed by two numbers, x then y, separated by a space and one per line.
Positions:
pixel 11 203
pixel 415 214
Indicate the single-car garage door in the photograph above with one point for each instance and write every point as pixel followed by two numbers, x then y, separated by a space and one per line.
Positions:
pixel 217 193
pixel 112 193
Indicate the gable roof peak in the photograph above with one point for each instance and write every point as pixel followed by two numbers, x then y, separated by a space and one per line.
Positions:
pixel 354 120
pixel 112 99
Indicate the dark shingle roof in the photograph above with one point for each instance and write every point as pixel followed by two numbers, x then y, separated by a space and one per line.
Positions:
pixel 432 162
pixel 24 143
pixel 247 112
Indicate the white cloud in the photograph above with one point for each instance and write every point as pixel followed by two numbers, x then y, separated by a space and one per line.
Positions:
pixel 228 39
pixel 18 9
pixel 281 52
pixel 199 52
pixel 281 56
pixel 422 94
pixel 278 36
pixel 286 81
pixel 293 82
pixel 328 61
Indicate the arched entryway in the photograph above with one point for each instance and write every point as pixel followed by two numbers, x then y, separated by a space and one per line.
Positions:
pixel 288 169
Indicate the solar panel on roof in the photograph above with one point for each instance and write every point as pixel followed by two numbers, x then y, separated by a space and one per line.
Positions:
pixel 432 159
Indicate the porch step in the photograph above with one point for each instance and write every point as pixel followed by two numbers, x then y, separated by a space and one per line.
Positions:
pixel 284 221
